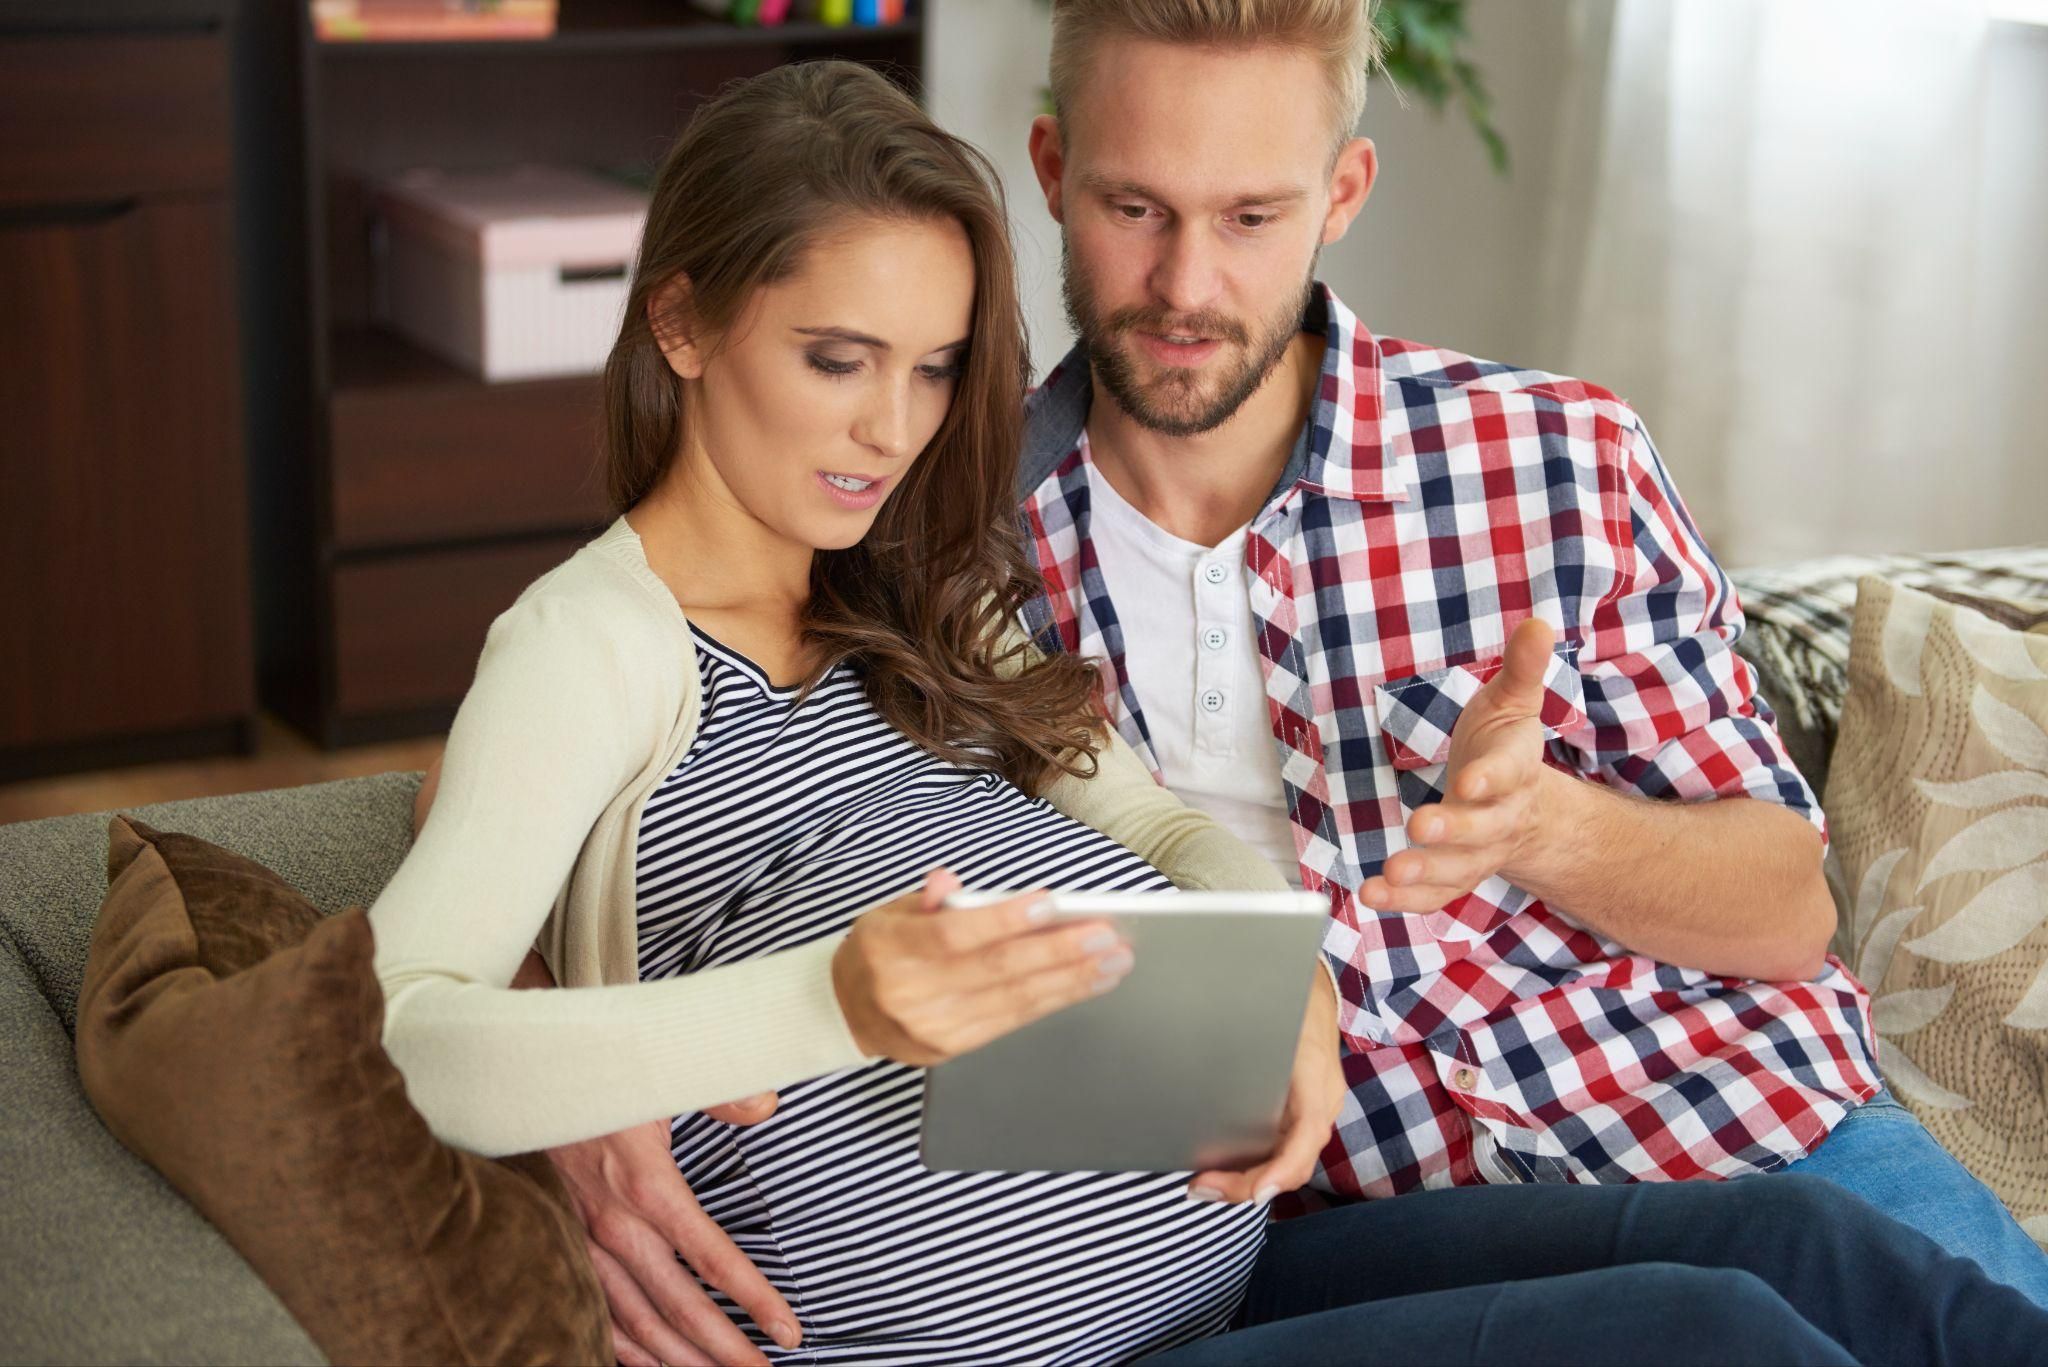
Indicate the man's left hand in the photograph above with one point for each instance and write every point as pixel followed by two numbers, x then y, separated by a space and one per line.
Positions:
pixel 1488 818
pixel 1314 1095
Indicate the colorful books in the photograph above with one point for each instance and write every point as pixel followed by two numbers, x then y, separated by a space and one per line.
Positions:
pixel 836 13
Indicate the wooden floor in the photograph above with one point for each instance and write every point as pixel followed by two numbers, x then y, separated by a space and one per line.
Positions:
pixel 283 759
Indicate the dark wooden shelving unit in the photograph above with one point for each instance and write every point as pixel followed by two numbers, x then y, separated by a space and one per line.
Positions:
pixel 401 503
pixel 124 627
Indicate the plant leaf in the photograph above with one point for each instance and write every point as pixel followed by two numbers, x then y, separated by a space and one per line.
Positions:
pixel 1905 634
pixel 1907 1078
pixel 2003 840
pixel 2015 734
pixel 1870 894
pixel 1909 1009
pixel 1876 958
pixel 1993 921
pixel 1986 790
pixel 1998 648
pixel 2032 1011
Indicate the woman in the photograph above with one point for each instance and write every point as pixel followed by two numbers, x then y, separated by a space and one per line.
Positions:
pixel 787 685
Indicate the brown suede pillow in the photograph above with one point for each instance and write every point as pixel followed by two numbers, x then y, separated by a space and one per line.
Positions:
pixel 231 1036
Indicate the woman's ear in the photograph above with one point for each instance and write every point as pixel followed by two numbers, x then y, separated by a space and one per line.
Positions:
pixel 669 318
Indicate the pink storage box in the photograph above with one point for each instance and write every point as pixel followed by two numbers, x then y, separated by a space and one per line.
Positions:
pixel 513 274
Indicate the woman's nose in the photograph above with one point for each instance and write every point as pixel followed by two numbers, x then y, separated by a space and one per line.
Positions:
pixel 886 424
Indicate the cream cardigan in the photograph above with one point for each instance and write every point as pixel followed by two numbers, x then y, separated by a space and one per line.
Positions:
pixel 585 698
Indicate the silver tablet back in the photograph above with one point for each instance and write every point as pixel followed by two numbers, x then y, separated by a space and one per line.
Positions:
pixel 1183 1066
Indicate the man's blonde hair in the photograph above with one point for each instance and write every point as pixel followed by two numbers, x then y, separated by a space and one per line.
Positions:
pixel 1339 33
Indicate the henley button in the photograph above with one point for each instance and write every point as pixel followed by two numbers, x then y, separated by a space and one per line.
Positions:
pixel 1212 701
pixel 1214 638
pixel 1215 573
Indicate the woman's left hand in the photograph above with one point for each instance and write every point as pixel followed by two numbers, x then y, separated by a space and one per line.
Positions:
pixel 1314 1096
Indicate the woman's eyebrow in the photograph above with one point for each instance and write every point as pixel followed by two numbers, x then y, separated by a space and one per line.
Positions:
pixel 863 339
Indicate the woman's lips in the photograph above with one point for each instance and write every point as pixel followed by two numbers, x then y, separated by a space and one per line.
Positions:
pixel 853 499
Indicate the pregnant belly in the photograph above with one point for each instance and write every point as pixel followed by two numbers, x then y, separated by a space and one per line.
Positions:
pixel 884 1260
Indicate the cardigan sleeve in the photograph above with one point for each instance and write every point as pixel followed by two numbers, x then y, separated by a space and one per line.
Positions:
pixel 544 740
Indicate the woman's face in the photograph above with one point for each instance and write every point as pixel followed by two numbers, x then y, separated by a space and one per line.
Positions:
pixel 809 411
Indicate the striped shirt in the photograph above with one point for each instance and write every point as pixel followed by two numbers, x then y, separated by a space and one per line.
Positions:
pixel 881 1259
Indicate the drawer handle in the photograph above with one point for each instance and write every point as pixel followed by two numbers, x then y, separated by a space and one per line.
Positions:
pixel 50 215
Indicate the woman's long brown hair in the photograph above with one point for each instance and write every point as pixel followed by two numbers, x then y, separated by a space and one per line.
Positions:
pixel 922 605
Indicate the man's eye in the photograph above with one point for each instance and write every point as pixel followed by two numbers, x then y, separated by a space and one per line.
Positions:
pixel 1254 220
pixel 1131 211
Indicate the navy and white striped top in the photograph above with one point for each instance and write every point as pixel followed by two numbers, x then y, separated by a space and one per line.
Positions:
pixel 779 826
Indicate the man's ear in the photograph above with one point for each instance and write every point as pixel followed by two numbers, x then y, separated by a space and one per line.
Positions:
pixel 1049 161
pixel 669 317
pixel 1351 181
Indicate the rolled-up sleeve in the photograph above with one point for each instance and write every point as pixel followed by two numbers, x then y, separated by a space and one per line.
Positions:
pixel 1672 712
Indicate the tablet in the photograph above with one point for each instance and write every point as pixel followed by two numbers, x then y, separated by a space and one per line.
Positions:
pixel 1182 1066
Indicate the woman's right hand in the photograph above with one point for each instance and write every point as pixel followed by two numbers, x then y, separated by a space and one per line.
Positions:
pixel 920 984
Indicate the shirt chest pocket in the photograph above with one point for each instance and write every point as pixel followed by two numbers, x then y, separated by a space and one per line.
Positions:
pixel 1417 715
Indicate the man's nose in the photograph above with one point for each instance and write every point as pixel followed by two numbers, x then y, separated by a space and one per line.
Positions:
pixel 1185 278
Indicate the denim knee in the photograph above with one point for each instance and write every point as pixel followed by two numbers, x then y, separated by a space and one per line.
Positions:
pixel 1710 1301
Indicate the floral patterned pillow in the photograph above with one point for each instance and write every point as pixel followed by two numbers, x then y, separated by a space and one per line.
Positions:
pixel 1938 805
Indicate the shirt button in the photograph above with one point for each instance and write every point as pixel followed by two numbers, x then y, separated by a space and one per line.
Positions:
pixel 1464 1079
pixel 1215 573
pixel 1215 637
pixel 1212 701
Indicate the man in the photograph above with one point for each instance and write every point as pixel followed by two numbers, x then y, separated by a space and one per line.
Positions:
pixel 1439 636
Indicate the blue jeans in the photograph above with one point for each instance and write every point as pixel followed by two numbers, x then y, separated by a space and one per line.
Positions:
pixel 1881 1153
pixel 1786 1270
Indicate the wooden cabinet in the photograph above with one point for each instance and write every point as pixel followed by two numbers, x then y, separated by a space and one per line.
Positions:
pixel 401 503
pixel 124 591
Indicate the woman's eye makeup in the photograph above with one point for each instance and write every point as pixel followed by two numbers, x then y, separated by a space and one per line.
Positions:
pixel 839 368
pixel 830 365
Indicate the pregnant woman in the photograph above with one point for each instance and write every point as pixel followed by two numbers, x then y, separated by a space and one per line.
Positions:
pixel 724 762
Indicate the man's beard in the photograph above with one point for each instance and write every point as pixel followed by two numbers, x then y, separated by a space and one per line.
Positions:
pixel 1174 405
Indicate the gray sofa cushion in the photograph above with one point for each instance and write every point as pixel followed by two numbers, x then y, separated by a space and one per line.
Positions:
pixel 338 843
pixel 100 1260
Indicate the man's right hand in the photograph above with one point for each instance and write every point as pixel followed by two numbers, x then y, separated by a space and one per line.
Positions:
pixel 638 1213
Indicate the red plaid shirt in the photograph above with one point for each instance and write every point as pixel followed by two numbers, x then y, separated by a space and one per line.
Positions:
pixel 1433 502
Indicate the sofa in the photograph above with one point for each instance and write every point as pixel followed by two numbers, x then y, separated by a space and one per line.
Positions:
pixel 100 1261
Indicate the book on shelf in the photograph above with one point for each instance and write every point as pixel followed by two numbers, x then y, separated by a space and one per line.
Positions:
pixel 414 21
pixel 837 13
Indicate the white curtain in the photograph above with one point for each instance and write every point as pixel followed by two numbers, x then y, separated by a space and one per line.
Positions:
pixel 1808 239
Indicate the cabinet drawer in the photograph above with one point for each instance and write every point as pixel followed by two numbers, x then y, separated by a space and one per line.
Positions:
pixel 123 538
pixel 419 463
pixel 93 118
pixel 408 629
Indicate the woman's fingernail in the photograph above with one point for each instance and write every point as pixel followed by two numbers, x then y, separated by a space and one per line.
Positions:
pixel 1265 1194
pixel 1039 912
pixel 786 1334
pixel 1099 941
pixel 1205 1194
pixel 1114 964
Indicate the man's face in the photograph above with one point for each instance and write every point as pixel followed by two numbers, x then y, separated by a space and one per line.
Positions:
pixel 1193 189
